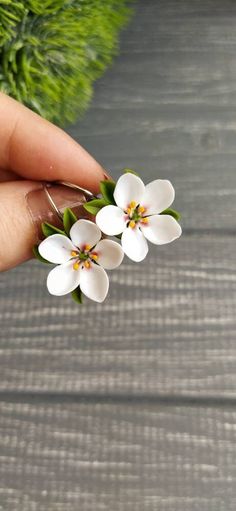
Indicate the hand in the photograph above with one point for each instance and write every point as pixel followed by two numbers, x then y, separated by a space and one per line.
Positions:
pixel 33 150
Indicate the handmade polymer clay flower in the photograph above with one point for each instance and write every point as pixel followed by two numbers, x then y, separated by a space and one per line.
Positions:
pixel 128 210
pixel 82 259
pixel 139 213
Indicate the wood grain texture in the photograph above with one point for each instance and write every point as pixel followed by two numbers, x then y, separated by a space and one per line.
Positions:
pixel 167 107
pixel 117 457
pixel 130 405
pixel 167 328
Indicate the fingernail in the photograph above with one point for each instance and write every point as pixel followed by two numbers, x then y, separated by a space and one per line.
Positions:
pixel 107 176
pixel 41 210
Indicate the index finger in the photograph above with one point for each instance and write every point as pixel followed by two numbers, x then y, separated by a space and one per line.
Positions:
pixel 38 150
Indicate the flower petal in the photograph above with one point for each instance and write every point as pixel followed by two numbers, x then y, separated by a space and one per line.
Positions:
pixel 158 196
pixel 110 254
pixel 94 282
pixel 128 188
pixel 161 229
pixel 134 244
pixel 56 248
pixel 85 232
pixel 63 279
pixel 111 220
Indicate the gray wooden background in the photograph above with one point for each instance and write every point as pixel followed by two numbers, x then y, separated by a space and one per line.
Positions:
pixel 130 405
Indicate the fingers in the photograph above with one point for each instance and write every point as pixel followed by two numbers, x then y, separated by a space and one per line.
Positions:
pixel 7 175
pixel 23 206
pixel 37 150
pixel 17 232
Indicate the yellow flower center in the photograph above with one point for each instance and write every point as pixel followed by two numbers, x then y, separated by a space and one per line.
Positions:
pixel 136 213
pixel 84 257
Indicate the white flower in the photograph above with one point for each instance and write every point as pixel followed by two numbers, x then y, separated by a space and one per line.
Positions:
pixel 137 216
pixel 81 260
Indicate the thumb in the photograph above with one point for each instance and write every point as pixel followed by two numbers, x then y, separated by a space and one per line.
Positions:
pixel 23 207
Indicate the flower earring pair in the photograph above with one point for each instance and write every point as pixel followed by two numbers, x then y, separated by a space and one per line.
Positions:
pixel 128 210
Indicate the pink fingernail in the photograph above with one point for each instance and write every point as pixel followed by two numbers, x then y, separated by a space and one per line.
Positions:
pixel 107 176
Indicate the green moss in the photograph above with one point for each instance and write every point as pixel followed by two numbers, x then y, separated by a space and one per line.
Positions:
pixel 51 52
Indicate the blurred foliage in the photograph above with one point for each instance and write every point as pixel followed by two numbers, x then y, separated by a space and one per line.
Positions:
pixel 52 51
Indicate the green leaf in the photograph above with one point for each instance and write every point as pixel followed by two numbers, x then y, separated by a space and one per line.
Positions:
pixel 98 203
pixel 38 256
pixel 171 212
pixel 49 230
pixel 130 171
pixel 107 190
pixel 91 209
pixel 94 205
pixel 77 295
pixel 69 219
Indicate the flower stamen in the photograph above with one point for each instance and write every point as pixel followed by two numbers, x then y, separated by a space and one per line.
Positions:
pixel 87 264
pixel 87 248
pixel 132 224
pixel 76 265
pixel 94 256
pixel 135 214
pixel 141 210
pixel 74 253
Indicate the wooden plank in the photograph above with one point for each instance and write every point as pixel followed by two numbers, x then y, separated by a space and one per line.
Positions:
pixel 117 457
pixel 167 107
pixel 167 327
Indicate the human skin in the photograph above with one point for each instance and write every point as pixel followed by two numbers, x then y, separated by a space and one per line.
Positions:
pixel 33 150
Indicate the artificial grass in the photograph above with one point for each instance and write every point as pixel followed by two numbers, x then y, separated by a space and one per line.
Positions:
pixel 51 51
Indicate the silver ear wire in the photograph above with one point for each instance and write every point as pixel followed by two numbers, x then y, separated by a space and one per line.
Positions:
pixel 52 203
pixel 87 194
pixel 77 187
